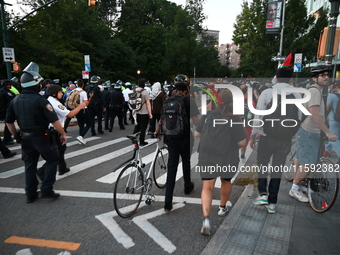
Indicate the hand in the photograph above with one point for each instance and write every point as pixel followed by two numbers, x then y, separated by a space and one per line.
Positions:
pixel 150 115
pixel 331 137
pixel 63 139
pixel 252 143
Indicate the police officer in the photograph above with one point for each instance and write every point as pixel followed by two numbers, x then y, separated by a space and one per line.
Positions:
pixel 33 114
pixel 115 106
pixel 54 93
pixel 96 104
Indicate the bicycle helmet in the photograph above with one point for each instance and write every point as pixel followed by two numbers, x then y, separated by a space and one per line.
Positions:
pixel 30 79
pixel 52 90
pixel 182 78
pixel 319 69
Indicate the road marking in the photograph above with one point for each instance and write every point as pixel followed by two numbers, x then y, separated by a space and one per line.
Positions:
pixel 20 170
pixel 19 148
pixel 43 243
pixel 106 195
pixel 154 233
pixel 121 237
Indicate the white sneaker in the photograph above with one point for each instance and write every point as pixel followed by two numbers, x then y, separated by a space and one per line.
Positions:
pixel 81 140
pixel 222 210
pixel 271 208
pixel 261 200
pixel 298 195
pixel 205 230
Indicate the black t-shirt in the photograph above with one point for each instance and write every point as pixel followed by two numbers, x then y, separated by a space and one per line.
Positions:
pixel 229 154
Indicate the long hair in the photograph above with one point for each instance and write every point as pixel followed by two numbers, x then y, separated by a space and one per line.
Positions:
pixel 226 108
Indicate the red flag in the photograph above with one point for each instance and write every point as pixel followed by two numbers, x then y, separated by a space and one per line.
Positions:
pixel 288 60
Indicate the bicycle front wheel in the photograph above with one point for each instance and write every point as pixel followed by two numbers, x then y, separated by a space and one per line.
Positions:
pixel 323 186
pixel 128 190
pixel 160 167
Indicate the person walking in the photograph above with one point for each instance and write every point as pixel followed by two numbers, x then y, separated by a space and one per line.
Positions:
pixel 126 93
pixel 308 136
pixel 33 114
pixel 54 93
pixel 269 146
pixel 180 146
pixel 96 105
pixel 218 147
pixel 71 87
pixel 6 96
pixel 83 116
pixel 116 107
pixel 143 114
pixel 157 101
pixel 334 125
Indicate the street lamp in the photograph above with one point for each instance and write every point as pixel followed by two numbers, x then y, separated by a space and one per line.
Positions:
pixel 138 73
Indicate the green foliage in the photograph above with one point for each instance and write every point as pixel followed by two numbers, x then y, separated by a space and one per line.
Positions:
pixel 301 35
pixel 121 37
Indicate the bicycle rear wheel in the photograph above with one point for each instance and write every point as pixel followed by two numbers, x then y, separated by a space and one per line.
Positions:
pixel 128 190
pixel 160 167
pixel 289 173
pixel 323 186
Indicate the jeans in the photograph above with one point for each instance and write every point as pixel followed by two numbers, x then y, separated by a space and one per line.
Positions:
pixel 278 150
pixel 83 118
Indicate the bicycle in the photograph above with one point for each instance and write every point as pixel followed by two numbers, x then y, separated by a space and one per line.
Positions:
pixel 132 180
pixel 322 182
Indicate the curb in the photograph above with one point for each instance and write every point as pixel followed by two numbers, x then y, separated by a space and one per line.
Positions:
pixel 218 240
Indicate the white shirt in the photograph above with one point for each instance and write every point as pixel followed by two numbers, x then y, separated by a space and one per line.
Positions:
pixel 264 99
pixel 83 95
pixel 60 110
pixel 126 93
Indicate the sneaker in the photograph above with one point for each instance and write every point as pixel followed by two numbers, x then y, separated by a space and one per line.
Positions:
pixel 222 210
pixel 143 143
pixel 261 200
pixel 81 140
pixel 298 195
pixel 205 230
pixel 271 208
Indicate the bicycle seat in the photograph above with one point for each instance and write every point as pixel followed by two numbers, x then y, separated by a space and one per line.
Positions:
pixel 133 137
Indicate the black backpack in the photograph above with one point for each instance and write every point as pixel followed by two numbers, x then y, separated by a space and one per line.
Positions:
pixel 175 120
pixel 278 129
pixel 337 109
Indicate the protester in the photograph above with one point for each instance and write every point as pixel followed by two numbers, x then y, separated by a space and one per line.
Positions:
pixel 308 136
pixel 270 147
pixel 144 113
pixel 223 151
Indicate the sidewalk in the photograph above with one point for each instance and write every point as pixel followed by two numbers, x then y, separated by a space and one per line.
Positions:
pixel 294 229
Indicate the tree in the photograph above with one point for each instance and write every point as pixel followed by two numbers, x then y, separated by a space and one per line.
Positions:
pixel 256 48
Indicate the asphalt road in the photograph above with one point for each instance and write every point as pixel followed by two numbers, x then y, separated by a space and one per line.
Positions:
pixel 83 220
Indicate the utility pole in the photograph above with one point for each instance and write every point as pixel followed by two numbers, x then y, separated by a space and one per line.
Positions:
pixel 282 28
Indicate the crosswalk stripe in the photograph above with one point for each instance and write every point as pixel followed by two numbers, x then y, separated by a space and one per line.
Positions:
pixel 69 144
pixel 20 170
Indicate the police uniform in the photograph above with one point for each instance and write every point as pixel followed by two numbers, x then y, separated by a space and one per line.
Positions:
pixel 33 114
pixel 116 108
pixel 61 112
